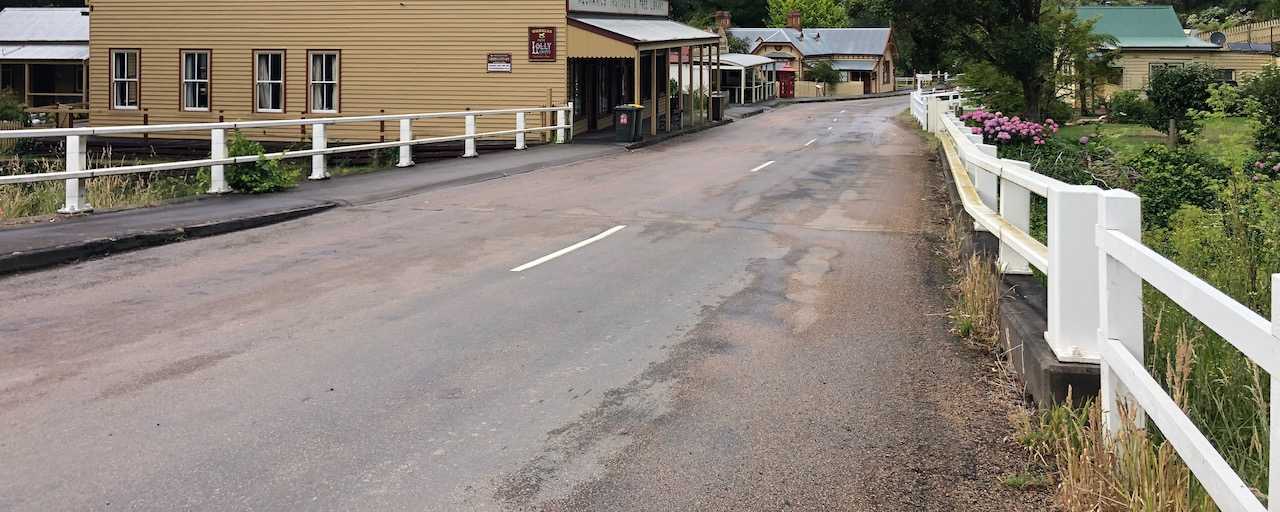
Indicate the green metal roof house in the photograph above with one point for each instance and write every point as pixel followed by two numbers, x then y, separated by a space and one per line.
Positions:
pixel 1148 37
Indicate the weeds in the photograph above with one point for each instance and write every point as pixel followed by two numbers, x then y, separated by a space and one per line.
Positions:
pixel 975 312
pixel 106 192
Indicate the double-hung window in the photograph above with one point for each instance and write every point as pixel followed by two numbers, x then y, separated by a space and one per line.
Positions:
pixel 324 71
pixel 124 79
pixel 268 81
pixel 195 80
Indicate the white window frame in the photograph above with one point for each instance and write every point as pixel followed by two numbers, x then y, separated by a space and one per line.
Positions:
pixel 313 83
pixel 119 75
pixel 195 81
pixel 258 81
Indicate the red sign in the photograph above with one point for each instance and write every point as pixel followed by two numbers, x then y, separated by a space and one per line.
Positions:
pixel 542 44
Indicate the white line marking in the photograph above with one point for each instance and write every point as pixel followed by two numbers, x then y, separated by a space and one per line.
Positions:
pixel 835 119
pixel 843 111
pixel 810 143
pixel 568 249
pixel 762 166
pixel 828 128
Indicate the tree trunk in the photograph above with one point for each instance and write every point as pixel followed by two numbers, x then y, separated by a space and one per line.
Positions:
pixel 1031 94
pixel 1173 133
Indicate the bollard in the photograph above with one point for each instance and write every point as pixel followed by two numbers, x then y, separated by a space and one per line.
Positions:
pixel 77 199
pixel 218 173
pixel 520 127
pixel 1120 300
pixel 406 149
pixel 318 141
pixel 1073 280
pixel 470 144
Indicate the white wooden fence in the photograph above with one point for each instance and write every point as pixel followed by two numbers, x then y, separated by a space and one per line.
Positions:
pixel 77 139
pixel 1096 264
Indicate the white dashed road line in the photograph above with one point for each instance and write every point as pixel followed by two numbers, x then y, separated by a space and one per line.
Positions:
pixel 569 249
pixel 762 166
pixel 810 143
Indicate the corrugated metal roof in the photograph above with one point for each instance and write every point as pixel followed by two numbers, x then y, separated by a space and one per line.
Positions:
pixel 44 52
pixel 745 60
pixel 853 65
pixel 23 24
pixel 820 41
pixel 1141 26
pixel 1250 47
pixel 643 30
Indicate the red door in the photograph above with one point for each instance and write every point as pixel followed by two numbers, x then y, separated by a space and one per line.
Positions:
pixel 787 84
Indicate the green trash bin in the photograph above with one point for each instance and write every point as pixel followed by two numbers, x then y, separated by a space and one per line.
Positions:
pixel 627 123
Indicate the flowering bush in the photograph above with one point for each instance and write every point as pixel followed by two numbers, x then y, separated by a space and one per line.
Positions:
pixel 996 128
pixel 1266 166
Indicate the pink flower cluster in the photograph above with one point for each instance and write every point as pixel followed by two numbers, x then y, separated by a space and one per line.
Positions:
pixel 996 128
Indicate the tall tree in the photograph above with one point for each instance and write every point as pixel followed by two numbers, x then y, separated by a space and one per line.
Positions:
pixel 813 13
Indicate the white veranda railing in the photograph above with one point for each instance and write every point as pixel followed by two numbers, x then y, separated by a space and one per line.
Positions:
pixel 1096 263
pixel 77 145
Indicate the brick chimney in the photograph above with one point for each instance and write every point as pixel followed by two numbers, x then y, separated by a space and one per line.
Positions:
pixel 723 21
pixel 793 20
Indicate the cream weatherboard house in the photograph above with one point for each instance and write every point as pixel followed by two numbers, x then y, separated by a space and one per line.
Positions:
pixel 863 55
pixel 154 61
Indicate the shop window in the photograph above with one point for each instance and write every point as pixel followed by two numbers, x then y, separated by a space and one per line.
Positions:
pixel 603 88
pixel 268 79
pixel 325 71
pixel 195 80
pixel 124 79
pixel 579 89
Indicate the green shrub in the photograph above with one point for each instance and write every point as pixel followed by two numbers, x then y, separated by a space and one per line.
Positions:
pixel 11 108
pixel 1174 90
pixel 257 177
pixel 1264 92
pixel 1171 178
pixel 1130 107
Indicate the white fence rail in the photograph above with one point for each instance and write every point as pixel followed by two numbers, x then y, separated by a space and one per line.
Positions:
pixel 1096 264
pixel 77 138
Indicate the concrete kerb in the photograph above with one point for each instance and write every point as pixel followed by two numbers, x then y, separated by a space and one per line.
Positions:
pixel 1023 323
pixel 687 131
pixel 57 255
pixel 824 99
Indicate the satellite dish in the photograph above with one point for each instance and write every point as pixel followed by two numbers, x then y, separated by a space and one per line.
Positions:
pixel 1218 38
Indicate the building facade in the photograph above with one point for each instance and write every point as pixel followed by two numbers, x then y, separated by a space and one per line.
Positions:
pixel 154 62
pixel 863 55
pixel 44 54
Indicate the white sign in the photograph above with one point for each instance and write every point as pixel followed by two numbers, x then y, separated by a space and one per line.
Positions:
pixel 640 7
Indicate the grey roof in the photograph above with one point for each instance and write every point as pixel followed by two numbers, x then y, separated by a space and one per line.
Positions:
pixel 44 52
pixel 1250 47
pixel 24 24
pixel 643 30
pixel 854 65
pixel 820 41
pixel 744 60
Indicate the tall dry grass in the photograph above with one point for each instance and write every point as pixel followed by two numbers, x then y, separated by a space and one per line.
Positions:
pixel 106 192
pixel 976 291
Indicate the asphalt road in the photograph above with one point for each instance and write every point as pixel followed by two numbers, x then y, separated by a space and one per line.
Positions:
pixel 757 337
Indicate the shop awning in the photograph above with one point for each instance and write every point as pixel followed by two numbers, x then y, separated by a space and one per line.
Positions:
pixel 854 65
pixel 31 52
pixel 744 60
pixel 641 32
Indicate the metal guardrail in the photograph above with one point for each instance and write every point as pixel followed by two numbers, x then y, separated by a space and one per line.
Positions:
pixel 1096 264
pixel 77 148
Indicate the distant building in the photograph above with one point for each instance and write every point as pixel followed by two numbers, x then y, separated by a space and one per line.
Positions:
pixel 862 55
pixel 44 54
pixel 161 61
pixel 1148 37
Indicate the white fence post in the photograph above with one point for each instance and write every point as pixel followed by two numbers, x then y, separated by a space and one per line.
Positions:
pixel 560 120
pixel 470 145
pixel 1120 301
pixel 986 182
pixel 319 171
pixel 1015 207
pixel 1273 476
pixel 406 149
pixel 77 160
pixel 218 173
pixel 520 127
pixel 1073 272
